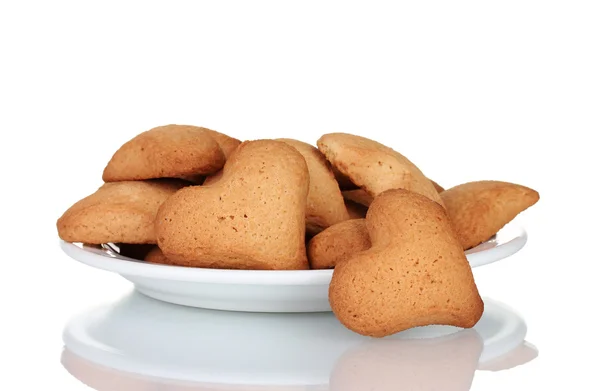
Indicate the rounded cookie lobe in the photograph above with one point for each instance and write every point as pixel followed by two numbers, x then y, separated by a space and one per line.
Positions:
pixel 478 210
pixel 170 151
pixel 228 144
pixel 373 166
pixel 253 217
pixel 415 274
pixel 120 212
pixel 325 204
pixel 155 255
pixel 337 243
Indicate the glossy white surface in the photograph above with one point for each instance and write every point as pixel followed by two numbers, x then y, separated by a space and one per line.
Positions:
pixel 468 90
pixel 253 290
pixel 165 342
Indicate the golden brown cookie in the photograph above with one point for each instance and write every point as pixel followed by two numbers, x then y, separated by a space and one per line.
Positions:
pixel 355 211
pixel 119 212
pixel 478 210
pixel 171 151
pixel 415 274
pixel 358 196
pixel 338 243
pixel 252 218
pixel 227 144
pixel 156 256
pixel 325 204
pixel 373 166
pixel 438 188
pixel 214 178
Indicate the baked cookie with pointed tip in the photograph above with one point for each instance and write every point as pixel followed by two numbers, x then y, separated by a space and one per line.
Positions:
pixel 415 273
pixel 373 166
pixel 253 217
pixel 338 242
pixel 478 210
pixel 437 187
pixel 119 212
pixel 325 204
pixel 171 151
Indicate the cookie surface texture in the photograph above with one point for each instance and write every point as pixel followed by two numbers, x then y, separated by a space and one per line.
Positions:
pixel 227 144
pixel 338 243
pixel 155 255
pixel 478 210
pixel 415 274
pixel 120 212
pixel 171 151
pixel 253 217
pixel 325 204
pixel 373 166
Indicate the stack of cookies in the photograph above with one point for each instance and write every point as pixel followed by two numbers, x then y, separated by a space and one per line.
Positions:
pixel 190 196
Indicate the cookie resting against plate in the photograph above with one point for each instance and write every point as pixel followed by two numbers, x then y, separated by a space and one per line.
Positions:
pixel 415 273
pixel 253 217
pixel 119 212
pixel 478 210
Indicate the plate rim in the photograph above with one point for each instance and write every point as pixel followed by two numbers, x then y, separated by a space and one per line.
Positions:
pixel 126 266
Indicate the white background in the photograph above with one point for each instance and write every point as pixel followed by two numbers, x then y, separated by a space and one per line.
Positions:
pixel 504 90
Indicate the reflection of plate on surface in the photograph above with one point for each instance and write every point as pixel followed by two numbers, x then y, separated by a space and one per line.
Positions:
pixel 142 336
pixel 253 290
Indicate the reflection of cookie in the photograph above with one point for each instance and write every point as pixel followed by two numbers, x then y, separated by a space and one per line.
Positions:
pixel 120 212
pixel 415 274
pixel 373 166
pixel 478 210
pixel 325 204
pixel 252 218
pixel 171 151
pixel 444 363
pixel 337 243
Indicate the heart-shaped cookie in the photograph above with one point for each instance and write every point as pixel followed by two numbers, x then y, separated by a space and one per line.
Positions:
pixel 171 151
pixel 119 212
pixel 253 217
pixel 478 210
pixel 373 166
pixel 415 274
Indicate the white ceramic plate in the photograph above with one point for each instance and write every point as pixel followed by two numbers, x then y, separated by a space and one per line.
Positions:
pixel 165 345
pixel 253 290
